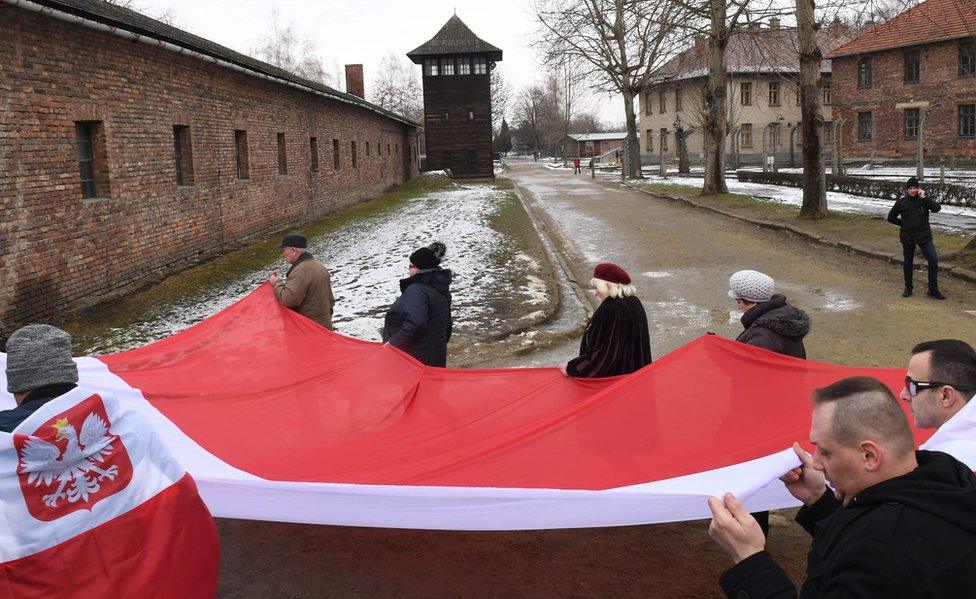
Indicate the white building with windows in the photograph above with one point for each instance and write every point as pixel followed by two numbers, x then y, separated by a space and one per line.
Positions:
pixel 763 97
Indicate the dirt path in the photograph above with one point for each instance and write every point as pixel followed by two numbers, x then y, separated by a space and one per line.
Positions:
pixel 681 259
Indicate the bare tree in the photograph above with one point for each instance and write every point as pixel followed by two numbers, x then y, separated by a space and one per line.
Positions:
pixel 618 43
pixel 811 115
pixel 284 47
pixel 501 94
pixel 398 89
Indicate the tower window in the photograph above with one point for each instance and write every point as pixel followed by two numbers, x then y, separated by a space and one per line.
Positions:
pixel 464 66
pixel 480 66
pixel 447 66
pixel 430 67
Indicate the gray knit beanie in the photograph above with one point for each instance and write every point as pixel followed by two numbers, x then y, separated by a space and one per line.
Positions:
pixel 752 286
pixel 39 355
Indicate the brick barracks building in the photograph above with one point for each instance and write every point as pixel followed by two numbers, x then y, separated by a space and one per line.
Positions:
pixel 921 63
pixel 129 148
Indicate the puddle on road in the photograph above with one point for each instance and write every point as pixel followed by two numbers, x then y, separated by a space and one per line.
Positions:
pixel 657 274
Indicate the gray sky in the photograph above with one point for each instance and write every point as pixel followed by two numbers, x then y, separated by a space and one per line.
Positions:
pixel 365 31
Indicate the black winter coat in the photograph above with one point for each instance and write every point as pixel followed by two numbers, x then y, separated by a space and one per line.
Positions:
pixel 419 322
pixel 913 536
pixel 776 326
pixel 912 215
pixel 615 341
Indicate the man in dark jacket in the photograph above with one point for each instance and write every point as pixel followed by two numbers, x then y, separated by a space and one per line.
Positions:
pixel 39 369
pixel 769 321
pixel 419 322
pixel 899 522
pixel 911 213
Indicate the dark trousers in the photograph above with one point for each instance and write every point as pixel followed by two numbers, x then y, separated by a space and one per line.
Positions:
pixel 763 519
pixel 928 250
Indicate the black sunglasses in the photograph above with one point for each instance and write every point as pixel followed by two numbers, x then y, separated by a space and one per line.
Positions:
pixel 914 386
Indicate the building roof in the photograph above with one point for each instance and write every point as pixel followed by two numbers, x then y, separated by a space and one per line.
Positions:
pixel 610 135
pixel 931 21
pixel 454 38
pixel 137 23
pixel 771 49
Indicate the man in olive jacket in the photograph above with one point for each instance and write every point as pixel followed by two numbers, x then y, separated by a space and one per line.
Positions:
pixel 911 214
pixel 898 523
pixel 307 287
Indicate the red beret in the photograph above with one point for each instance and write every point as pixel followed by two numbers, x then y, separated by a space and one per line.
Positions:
pixel 612 273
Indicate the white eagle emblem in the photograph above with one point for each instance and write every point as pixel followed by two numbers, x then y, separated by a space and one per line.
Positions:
pixel 76 470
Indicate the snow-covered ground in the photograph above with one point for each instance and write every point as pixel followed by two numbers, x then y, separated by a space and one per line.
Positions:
pixel 894 173
pixel 952 218
pixel 367 257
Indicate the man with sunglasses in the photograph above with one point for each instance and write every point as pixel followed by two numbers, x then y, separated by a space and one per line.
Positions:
pixel 939 387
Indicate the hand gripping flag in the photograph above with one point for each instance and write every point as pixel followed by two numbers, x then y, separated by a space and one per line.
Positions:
pixel 92 504
pixel 279 419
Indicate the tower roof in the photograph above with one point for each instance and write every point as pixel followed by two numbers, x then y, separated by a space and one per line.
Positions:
pixel 454 38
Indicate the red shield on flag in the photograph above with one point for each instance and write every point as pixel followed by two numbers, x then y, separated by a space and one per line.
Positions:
pixel 71 462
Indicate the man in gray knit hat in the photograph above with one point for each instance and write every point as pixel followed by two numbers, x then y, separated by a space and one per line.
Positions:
pixel 39 369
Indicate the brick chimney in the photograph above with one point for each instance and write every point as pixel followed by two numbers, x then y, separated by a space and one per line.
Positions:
pixel 354 80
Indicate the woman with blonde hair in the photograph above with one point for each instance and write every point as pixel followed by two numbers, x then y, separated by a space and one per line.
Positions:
pixel 616 340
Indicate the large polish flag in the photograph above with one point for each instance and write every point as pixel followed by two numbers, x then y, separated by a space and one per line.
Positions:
pixel 278 419
pixel 92 504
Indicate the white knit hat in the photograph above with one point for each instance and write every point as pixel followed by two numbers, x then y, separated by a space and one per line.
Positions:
pixel 752 286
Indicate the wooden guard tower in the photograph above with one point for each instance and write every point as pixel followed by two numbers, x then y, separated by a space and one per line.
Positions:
pixel 457 100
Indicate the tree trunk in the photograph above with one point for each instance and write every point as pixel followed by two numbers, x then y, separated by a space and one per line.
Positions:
pixel 715 102
pixel 631 168
pixel 814 169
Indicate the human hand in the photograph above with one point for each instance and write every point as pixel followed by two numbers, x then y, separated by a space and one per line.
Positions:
pixel 274 278
pixel 921 193
pixel 804 482
pixel 734 528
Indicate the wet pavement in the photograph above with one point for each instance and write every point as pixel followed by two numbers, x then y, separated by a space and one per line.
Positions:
pixel 681 258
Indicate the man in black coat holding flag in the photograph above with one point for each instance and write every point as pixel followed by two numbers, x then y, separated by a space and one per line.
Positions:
pixel 897 522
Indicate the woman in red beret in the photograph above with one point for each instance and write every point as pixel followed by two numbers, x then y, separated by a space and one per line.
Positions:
pixel 616 340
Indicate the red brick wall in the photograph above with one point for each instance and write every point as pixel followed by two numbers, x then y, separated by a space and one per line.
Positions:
pixel 939 81
pixel 59 251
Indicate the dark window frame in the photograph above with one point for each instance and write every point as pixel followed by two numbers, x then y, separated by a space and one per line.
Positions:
pixel 865 74
pixel 662 102
pixel 745 93
pixel 967 59
pixel 650 140
pixel 464 64
pixel 336 156
pixel 352 154
pixel 912 60
pixel 865 126
pixel 183 155
pixel 911 118
pixel 678 99
pixel 966 122
pixel 85 154
pixel 447 64
pixel 826 100
pixel 479 66
pixel 241 155
pixel 313 154
pixel 745 135
pixel 774 93
pixel 430 67
pixel 282 154
pixel 648 103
